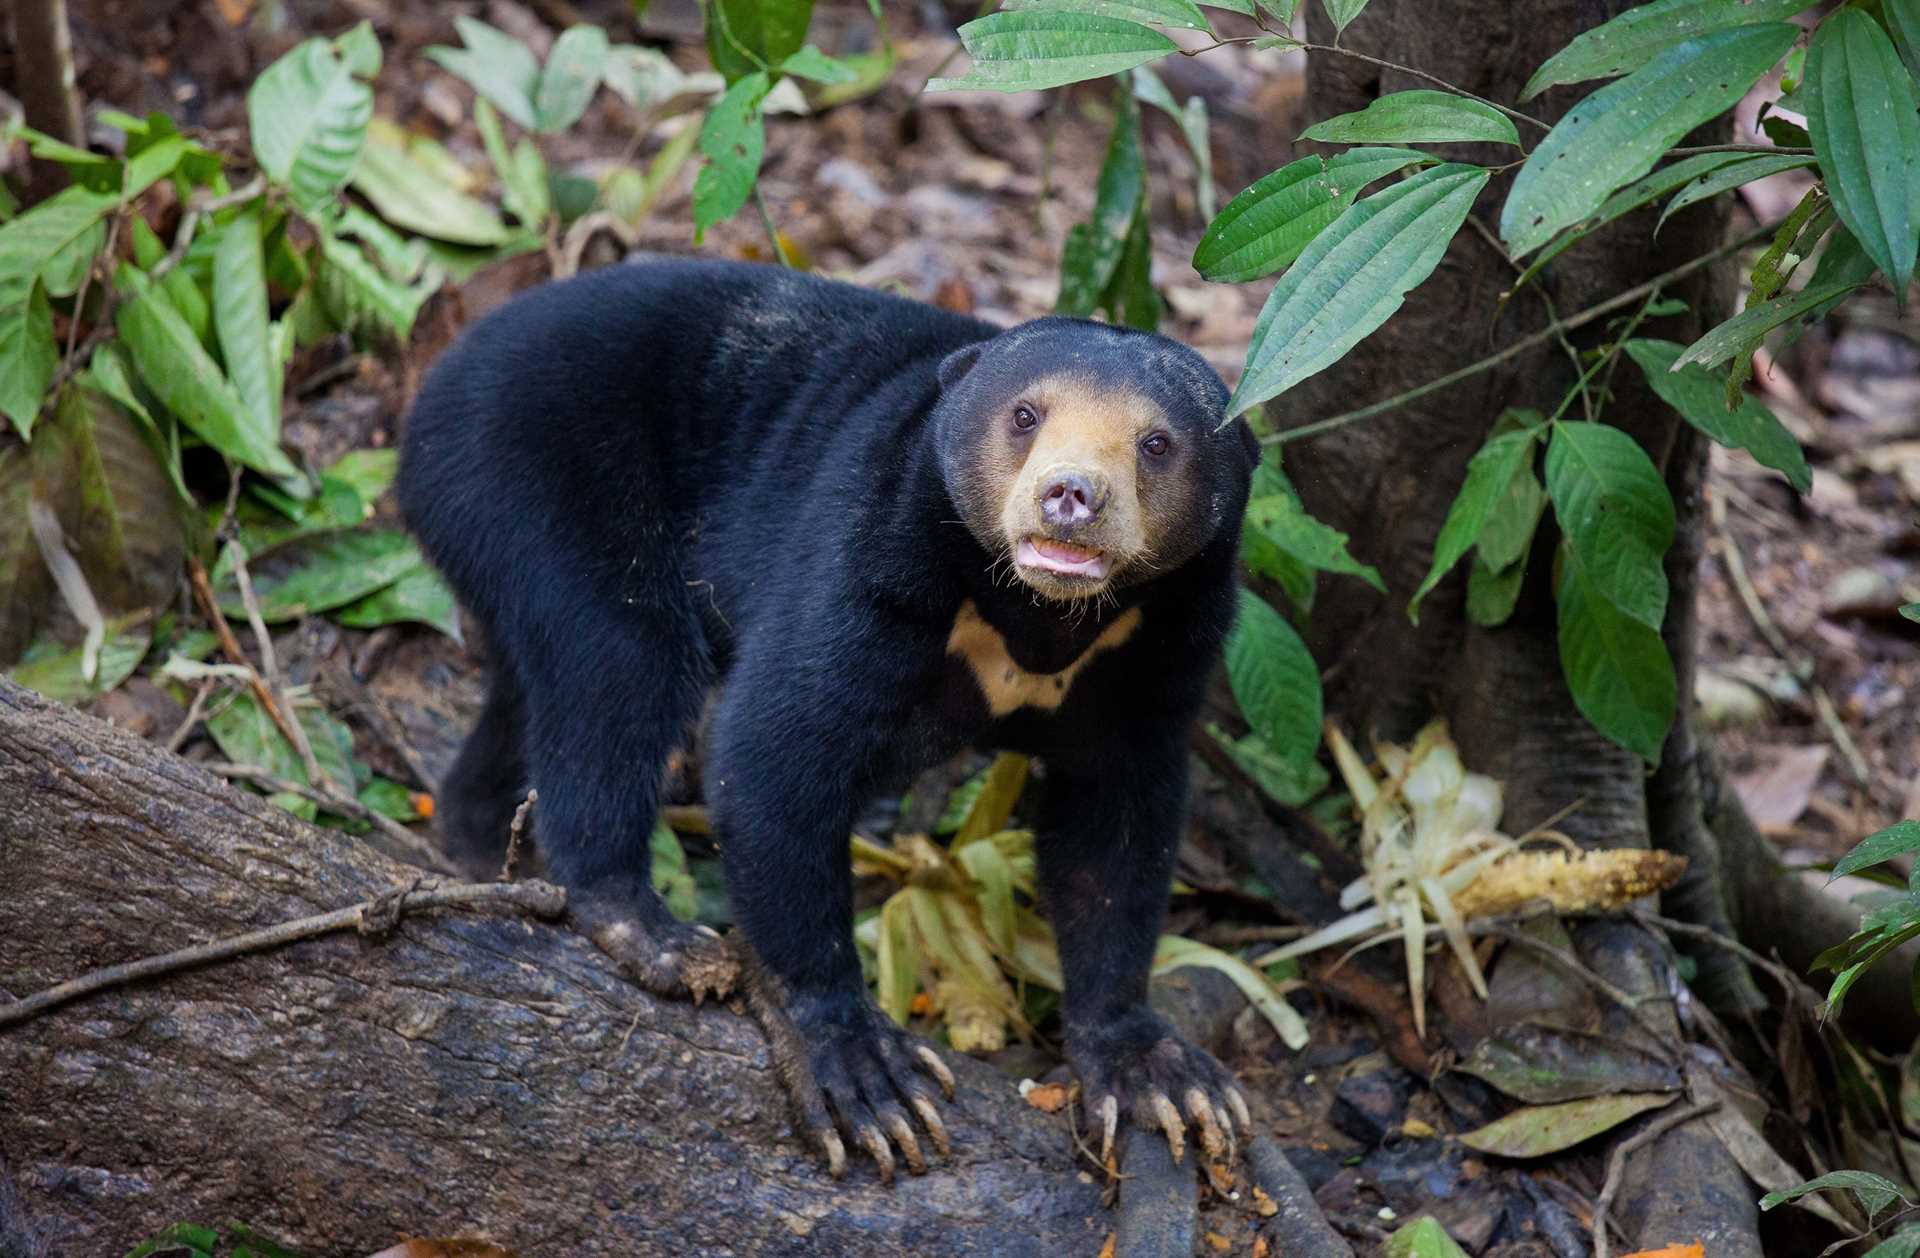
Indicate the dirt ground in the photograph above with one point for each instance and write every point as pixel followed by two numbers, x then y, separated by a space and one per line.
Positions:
pixel 964 200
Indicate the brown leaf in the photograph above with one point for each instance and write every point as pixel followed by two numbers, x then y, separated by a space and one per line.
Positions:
pixel 1218 1243
pixel 1047 1097
pixel 1537 1130
pixel 1263 1205
pixel 1777 790
pixel 1106 1250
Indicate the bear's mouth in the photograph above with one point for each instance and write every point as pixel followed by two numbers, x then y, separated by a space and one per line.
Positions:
pixel 1065 559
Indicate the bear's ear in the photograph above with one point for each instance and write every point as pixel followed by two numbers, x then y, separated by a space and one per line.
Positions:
pixel 957 364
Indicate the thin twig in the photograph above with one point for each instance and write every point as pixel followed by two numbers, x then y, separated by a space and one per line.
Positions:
pixel 1790 982
pixel 1799 665
pixel 369 916
pixel 335 800
pixel 1769 149
pixel 270 667
pixel 766 221
pixel 1597 311
pixel 230 645
pixel 1617 1165
pixel 514 830
pixel 195 711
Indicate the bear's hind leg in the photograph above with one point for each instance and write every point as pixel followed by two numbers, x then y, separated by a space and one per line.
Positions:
pixel 488 780
pixel 605 710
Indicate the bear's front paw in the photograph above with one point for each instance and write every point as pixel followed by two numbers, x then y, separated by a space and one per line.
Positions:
pixel 1135 1063
pixel 665 956
pixel 850 1071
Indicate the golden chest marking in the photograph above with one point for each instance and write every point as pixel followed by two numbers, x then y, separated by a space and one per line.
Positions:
pixel 1007 686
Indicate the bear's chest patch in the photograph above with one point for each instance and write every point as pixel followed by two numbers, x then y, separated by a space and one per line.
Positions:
pixel 1003 683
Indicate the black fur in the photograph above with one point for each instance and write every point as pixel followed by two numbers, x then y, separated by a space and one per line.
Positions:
pixel 657 478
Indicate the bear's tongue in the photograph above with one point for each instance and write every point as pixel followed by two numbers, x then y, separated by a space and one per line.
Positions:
pixel 1062 557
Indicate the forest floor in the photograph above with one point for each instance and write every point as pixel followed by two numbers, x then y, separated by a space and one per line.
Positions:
pixel 963 200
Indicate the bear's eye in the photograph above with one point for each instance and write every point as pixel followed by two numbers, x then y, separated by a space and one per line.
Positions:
pixel 1023 417
pixel 1156 444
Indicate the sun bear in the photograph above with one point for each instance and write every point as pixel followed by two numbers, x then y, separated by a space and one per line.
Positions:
pixel 885 533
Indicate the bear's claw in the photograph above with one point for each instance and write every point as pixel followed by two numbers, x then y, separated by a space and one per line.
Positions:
pixel 673 959
pixel 1137 1063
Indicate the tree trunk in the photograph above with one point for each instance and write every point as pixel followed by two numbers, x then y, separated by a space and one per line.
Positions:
pixel 44 79
pixel 468 1074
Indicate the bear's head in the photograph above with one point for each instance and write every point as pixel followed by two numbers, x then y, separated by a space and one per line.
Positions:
pixel 1090 458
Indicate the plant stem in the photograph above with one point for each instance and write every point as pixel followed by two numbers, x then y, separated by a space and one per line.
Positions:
pixel 1768 149
pixel 766 221
pixel 1548 333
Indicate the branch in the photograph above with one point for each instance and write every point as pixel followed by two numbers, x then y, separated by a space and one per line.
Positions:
pixel 1617 1165
pixel 369 917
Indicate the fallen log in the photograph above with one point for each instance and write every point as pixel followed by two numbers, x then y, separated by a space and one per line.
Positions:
pixel 469 1073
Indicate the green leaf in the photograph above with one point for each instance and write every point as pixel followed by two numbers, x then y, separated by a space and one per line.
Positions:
pixel 1290 783
pixel 1489 474
pixel 28 355
pixel 1731 175
pixel 1179 13
pixel 1641 33
pixel 1275 681
pixel 670 878
pixel 1615 135
pixel 1507 535
pixel 115 503
pixel 390 799
pixel 1694 392
pixel 410 196
pixel 1616 514
pixel 1417 117
pixel 811 63
pixel 184 377
pixel 1284 523
pixel 56 239
pixel 733 138
pixel 1905 1242
pixel 744 36
pixel 200 1240
pixel 1352 277
pixel 55 670
pixel 570 78
pixel 1193 124
pixel 1174 953
pixel 1535 1131
pixel 1896 840
pixel 1422 1238
pixel 1860 112
pixel 177 286
pixel 356 294
pixel 240 318
pixel 1091 255
pixel 109 373
pixel 1492 592
pixel 1912 612
pixel 1343 12
pixel 1903 19
pixel 1617 669
pixel 325 572
pixel 245 734
pixel 1874 1193
pixel 418 595
pixel 1723 342
pixel 496 65
pixel 1033 49
pixel 1266 226
pixel 522 171
pixel 1627 200
pixel 308 115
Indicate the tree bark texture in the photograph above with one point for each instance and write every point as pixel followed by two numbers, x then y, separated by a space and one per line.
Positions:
pixel 469 1074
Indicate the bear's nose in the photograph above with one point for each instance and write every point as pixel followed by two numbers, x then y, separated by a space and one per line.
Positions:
pixel 1069 498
